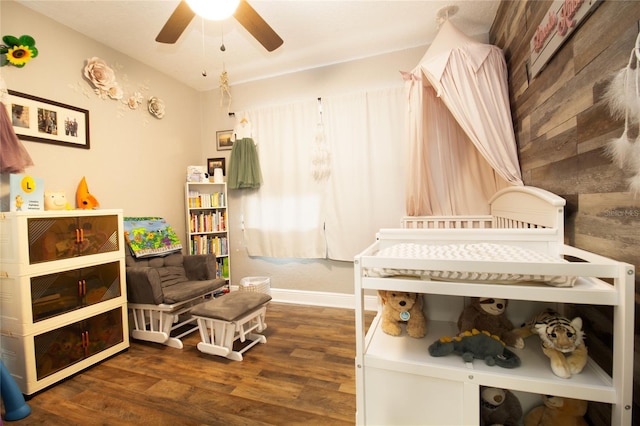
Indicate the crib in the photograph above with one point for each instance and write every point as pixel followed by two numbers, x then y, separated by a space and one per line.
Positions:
pixel 524 220
pixel 515 207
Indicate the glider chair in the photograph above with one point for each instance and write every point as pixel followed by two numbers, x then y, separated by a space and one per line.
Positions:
pixel 162 291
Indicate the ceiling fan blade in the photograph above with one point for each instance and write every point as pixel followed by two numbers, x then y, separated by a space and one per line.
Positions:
pixel 257 27
pixel 176 24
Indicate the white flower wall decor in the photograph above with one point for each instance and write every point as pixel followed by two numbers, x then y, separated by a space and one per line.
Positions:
pixel 156 107
pixel 105 84
pixel 103 79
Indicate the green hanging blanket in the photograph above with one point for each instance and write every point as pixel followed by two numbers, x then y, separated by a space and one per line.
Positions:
pixel 244 166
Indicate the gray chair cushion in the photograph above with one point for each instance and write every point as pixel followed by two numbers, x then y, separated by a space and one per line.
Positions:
pixel 189 289
pixel 231 306
pixel 171 275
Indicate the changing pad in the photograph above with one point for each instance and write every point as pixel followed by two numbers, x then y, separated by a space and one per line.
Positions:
pixel 478 252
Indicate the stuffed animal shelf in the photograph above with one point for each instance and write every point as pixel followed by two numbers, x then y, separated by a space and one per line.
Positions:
pixel 499 407
pixel 557 411
pixel 402 307
pixel 489 313
pixel 562 341
pixel 476 344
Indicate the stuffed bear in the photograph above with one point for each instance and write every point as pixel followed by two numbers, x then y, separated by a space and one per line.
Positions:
pixel 488 313
pixel 557 411
pixel 398 306
pixel 499 407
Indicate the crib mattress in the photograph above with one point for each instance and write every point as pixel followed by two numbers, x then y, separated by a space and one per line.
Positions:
pixel 489 252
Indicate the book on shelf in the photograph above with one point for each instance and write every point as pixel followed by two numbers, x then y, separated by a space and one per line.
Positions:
pixel 222 268
pixel 205 244
pixel 207 222
pixel 206 200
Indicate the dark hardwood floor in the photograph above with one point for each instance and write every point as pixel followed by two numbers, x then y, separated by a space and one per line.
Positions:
pixel 303 375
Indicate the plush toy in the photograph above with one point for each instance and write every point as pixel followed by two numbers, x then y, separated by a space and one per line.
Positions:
pixel 55 200
pixel 562 341
pixel 476 344
pixel 397 307
pixel 499 407
pixel 85 200
pixel 489 313
pixel 557 411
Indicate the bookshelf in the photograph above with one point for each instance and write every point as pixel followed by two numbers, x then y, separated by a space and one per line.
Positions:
pixel 207 223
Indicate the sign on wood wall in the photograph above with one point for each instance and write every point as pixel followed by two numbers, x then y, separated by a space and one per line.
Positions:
pixel 563 17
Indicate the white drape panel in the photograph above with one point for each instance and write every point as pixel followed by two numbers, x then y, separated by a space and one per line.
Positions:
pixel 294 216
pixel 283 217
pixel 365 191
pixel 462 144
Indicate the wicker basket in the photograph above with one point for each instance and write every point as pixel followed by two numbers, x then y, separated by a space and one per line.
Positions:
pixel 256 284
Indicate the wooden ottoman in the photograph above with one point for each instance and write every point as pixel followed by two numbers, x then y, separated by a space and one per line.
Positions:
pixel 234 316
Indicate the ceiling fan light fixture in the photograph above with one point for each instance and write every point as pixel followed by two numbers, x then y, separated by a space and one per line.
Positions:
pixel 215 10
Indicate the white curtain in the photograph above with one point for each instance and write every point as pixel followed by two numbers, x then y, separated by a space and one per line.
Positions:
pixel 366 187
pixel 283 217
pixel 292 215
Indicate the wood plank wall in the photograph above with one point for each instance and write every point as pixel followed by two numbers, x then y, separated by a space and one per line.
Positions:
pixel 562 125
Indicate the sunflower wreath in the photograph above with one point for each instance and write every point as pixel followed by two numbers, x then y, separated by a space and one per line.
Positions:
pixel 17 51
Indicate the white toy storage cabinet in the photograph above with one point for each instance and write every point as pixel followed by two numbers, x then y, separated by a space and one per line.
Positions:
pixel 399 383
pixel 62 293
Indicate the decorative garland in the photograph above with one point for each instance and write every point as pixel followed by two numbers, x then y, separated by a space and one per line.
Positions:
pixel 103 78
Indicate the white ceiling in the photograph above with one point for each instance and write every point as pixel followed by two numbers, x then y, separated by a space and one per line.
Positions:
pixel 315 33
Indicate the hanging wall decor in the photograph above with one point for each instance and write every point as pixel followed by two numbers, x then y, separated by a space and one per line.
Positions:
pixel 560 21
pixel 103 79
pixel 17 51
pixel 224 140
pixel 156 107
pixel 623 98
pixel 105 84
pixel 41 120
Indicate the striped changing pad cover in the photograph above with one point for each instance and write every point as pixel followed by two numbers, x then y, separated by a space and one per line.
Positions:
pixel 478 252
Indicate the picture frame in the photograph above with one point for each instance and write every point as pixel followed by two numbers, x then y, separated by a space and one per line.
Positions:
pixel 224 140
pixel 216 163
pixel 41 120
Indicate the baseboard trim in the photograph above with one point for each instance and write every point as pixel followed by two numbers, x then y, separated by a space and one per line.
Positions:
pixel 321 298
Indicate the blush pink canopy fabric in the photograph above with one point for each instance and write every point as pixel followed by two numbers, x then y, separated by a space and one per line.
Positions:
pixel 462 145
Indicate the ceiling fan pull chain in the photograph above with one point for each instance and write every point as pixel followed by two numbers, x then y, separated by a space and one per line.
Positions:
pixel 204 65
pixel 222 48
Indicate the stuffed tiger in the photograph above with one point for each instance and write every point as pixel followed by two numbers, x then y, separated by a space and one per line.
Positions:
pixel 562 341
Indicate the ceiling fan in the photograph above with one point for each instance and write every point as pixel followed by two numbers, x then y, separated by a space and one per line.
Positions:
pixel 244 14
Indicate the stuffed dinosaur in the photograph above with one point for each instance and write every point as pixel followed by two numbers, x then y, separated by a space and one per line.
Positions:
pixel 476 344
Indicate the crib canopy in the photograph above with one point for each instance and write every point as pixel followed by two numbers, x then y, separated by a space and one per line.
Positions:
pixel 462 145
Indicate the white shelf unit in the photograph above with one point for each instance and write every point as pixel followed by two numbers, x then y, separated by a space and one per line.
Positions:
pixel 398 382
pixel 63 304
pixel 207 223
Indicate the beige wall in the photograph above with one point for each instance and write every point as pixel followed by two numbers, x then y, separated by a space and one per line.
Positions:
pixel 135 162
pixel 138 163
